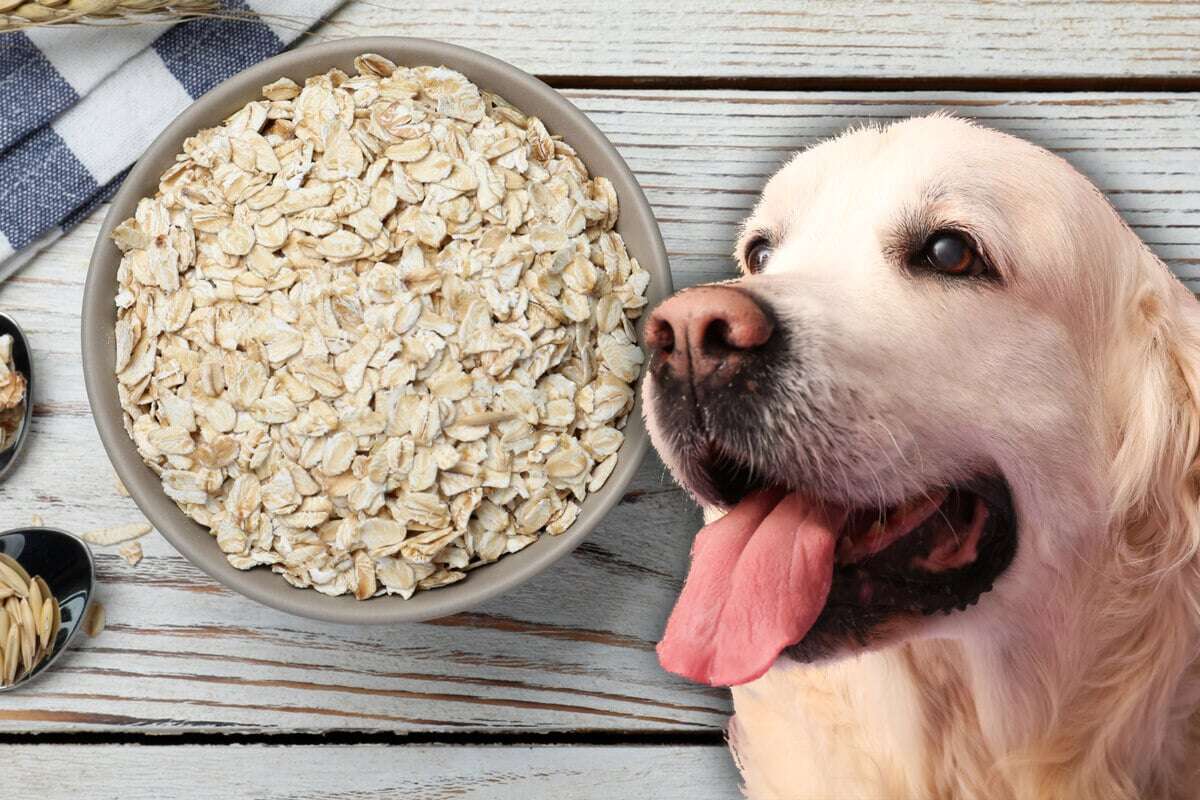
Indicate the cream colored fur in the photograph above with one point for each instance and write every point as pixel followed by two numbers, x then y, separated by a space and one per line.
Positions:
pixel 1077 676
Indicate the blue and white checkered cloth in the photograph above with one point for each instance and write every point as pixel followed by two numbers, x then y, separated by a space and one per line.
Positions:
pixel 79 105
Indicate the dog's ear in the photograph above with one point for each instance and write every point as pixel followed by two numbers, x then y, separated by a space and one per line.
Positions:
pixel 1156 471
pixel 1149 593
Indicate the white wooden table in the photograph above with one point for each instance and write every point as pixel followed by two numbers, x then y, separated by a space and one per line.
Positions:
pixel 554 690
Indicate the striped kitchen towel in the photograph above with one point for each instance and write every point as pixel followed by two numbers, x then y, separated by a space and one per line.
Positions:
pixel 78 105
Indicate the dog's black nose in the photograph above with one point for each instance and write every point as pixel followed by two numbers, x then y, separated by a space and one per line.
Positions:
pixel 709 329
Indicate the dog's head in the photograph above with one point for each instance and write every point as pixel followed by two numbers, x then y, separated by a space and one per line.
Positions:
pixel 906 402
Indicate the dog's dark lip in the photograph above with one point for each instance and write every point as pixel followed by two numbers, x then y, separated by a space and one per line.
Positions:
pixel 721 480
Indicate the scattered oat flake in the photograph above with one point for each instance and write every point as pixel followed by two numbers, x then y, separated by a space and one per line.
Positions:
pixel 117 533
pixel 131 552
pixel 93 621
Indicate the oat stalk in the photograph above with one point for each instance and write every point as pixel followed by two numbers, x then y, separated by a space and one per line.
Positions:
pixel 19 14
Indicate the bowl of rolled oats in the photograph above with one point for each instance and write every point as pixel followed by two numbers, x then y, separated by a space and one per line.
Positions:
pixel 361 329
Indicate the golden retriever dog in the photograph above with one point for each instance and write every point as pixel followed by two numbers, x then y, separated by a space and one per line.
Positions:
pixel 950 409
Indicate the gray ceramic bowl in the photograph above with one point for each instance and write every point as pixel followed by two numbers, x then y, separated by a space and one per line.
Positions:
pixel 636 225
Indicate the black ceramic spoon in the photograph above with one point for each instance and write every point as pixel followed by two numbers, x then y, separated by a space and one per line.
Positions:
pixel 15 421
pixel 65 564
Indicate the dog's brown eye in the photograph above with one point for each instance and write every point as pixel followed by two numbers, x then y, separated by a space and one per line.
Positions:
pixel 758 253
pixel 951 253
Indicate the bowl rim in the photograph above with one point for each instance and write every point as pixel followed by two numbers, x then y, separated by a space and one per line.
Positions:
pixel 97 337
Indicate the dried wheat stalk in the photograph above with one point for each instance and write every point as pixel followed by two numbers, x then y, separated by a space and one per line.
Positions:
pixel 18 14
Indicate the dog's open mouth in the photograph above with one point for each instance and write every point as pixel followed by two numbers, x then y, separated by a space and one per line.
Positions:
pixel 784 572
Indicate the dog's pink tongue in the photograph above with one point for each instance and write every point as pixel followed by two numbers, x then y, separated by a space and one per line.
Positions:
pixel 758 581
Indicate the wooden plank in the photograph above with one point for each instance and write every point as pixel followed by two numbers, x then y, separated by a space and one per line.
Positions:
pixel 574 648
pixel 363 772
pixel 702 157
pixel 862 40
